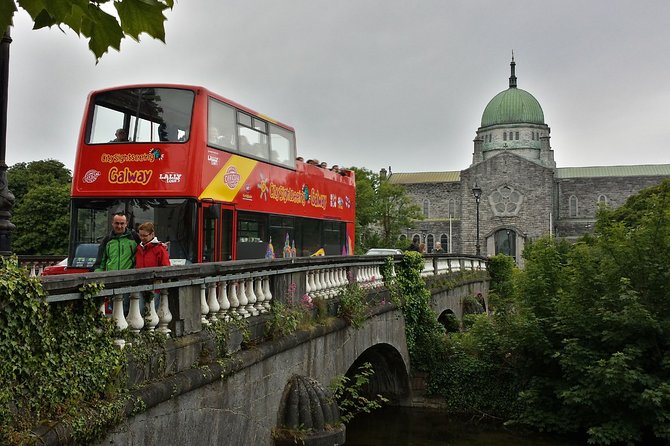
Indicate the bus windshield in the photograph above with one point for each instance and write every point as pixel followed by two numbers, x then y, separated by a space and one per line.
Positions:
pixel 140 115
pixel 174 219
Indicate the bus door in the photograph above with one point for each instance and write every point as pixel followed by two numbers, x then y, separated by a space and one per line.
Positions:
pixel 217 232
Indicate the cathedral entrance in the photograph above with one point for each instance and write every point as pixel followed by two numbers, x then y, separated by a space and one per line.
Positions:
pixel 505 241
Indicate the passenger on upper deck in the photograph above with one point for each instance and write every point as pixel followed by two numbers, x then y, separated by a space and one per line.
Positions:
pixel 121 136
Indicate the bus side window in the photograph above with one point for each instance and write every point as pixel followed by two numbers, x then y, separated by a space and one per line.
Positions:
pixel 221 128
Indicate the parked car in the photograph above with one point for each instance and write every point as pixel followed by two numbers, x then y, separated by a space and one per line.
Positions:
pixel 383 252
pixel 83 261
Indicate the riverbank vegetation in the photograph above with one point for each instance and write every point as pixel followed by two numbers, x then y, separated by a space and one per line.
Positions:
pixel 578 341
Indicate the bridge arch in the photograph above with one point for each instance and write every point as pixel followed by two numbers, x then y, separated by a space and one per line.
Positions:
pixel 390 377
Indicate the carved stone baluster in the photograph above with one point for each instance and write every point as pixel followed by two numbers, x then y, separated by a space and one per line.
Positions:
pixel 267 294
pixel 312 282
pixel 251 297
pixel 135 320
pixel 212 302
pixel 118 318
pixel 224 303
pixel 308 286
pixel 234 301
pixel 333 282
pixel 242 296
pixel 204 308
pixel 258 290
pixel 164 315
pixel 318 279
pixel 151 317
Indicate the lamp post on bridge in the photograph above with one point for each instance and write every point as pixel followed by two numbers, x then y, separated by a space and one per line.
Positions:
pixel 6 197
pixel 477 192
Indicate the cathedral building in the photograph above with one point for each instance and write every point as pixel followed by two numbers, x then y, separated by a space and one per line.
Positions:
pixel 513 192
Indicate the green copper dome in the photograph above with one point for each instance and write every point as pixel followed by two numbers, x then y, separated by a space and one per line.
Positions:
pixel 512 106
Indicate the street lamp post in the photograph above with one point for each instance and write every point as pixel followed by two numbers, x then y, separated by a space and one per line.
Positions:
pixel 477 192
pixel 6 197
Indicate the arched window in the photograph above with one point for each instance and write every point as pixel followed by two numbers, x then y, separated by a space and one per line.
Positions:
pixel 430 243
pixel 504 136
pixel 505 242
pixel 426 208
pixel 516 135
pixel 416 239
pixel 574 206
pixel 444 241
pixel 402 237
pixel 602 199
pixel 451 208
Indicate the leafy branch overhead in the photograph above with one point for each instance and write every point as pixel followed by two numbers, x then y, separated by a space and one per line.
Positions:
pixel 103 25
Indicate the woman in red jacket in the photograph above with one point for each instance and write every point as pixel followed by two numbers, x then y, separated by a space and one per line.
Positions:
pixel 150 252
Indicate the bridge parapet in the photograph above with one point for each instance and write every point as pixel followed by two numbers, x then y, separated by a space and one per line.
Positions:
pixel 194 296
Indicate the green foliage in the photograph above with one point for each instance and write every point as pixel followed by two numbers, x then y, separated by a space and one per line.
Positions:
pixel 55 364
pixel 601 317
pixel 42 221
pixel 353 304
pixel 291 315
pixel 423 332
pixel 477 375
pixel 351 396
pixel 383 211
pixel 88 18
pixel 42 209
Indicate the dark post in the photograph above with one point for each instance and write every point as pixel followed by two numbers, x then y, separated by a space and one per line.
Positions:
pixel 477 192
pixel 6 197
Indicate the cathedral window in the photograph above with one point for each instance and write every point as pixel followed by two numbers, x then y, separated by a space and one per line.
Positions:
pixel 416 239
pixel 430 243
pixel 426 208
pixel 505 201
pixel 574 204
pixel 602 199
pixel 444 241
pixel 451 208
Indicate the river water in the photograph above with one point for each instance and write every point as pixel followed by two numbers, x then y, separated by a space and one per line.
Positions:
pixel 394 426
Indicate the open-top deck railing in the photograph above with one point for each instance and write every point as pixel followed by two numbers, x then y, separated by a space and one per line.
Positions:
pixel 193 296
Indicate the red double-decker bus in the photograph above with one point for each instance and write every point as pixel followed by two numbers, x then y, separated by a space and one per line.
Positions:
pixel 218 180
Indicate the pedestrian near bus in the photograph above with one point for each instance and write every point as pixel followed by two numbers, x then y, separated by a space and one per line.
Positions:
pixel 150 253
pixel 117 250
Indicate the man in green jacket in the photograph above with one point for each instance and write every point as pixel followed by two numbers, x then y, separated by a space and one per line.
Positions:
pixel 117 249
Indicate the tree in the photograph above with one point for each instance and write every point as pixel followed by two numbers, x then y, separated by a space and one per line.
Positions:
pixel 383 210
pixel 94 19
pixel 605 367
pixel 42 209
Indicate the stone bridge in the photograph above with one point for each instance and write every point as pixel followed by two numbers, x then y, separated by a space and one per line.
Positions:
pixel 237 397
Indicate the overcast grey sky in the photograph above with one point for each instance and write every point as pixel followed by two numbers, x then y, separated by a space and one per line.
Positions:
pixel 374 83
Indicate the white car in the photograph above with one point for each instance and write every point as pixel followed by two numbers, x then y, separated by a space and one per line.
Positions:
pixel 383 252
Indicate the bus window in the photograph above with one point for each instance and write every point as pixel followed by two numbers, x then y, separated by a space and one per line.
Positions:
pixel 308 235
pixel 174 219
pixel 221 125
pixel 333 235
pixel 282 145
pixel 253 136
pixel 147 114
pixel 252 240
pixel 280 228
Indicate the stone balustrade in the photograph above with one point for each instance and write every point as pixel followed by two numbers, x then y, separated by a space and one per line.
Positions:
pixel 193 296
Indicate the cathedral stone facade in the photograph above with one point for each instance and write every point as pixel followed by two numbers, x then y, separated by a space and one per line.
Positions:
pixel 523 195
